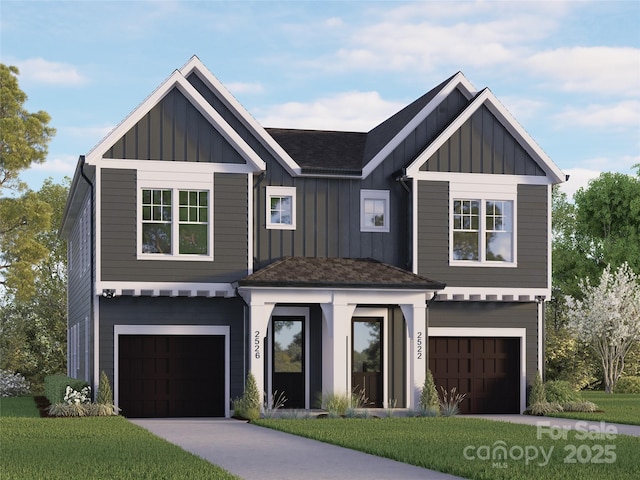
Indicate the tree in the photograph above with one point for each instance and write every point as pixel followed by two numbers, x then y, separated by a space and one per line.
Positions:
pixel 33 327
pixel 24 138
pixel 608 319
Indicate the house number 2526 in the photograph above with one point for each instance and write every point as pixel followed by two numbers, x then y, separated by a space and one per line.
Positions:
pixel 256 344
pixel 419 346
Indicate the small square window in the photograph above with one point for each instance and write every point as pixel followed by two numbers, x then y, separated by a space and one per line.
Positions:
pixel 281 208
pixel 374 210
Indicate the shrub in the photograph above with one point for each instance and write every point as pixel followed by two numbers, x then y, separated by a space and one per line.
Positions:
pixel 580 407
pixel 12 384
pixel 628 385
pixel 336 404
pixel 55 387
pixel 537 394
pixel 429 399
pixel 248 406
pixel 560 391
pixel 544 408
pixel 68 410
pixel 105 395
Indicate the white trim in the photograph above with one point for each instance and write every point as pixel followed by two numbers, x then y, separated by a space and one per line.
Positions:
pixel 250 222
pixel 520 333
pixel 375 195
pixel 458 81
pixel 492 294
pixel 218 330
pixel 488 99
pixel 278 191
pixel 195 65
pixel 540 352
pixel 289 312
pixel 171 289
pixel 414 227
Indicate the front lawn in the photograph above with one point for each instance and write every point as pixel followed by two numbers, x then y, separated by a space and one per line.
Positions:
pixel 616 408
pixel 95 448
pixel 477 448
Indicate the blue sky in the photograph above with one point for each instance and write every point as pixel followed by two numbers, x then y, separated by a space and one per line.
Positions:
pixel 568 71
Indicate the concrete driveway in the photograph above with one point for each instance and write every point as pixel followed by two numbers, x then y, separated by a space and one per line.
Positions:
pixel 257 453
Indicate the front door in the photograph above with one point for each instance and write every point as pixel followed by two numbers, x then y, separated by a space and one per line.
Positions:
pixel 288 361
pixel 366 371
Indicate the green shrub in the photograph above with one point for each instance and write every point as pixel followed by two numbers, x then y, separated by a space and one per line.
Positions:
pixel 537 393
pixel 69 409
pixel 628 385
pixel 248 406
pixel 544 408
pixel 55 387
pixel 429 400
pixel 561 391
pixel 105 395
pixel 336 404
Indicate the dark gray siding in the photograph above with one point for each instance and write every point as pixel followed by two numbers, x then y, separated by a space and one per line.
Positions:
pixel 482 145
pixel 175 311
pixel 79 290
pixel 492 315
pixel 174 130
pixel 532 249
pixel 118 240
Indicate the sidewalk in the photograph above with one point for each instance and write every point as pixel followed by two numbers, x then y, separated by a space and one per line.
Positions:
pixel 257 453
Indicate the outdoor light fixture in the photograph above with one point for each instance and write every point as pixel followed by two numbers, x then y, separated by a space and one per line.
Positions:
pixel 108 293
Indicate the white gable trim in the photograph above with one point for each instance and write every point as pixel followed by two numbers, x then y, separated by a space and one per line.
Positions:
pixel 458 81
pixel 488 99
pixel 195 65
pixel 177 80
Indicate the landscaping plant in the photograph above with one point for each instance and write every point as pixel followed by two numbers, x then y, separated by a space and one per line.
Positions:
pixel 12 384
pixel 429 400
pixel 450 402
pixel 248 406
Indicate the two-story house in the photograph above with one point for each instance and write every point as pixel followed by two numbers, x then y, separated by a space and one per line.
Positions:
pixel 203 246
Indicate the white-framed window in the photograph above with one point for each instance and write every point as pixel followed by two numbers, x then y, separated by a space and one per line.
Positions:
pixel 374 210
pixel 483 230
pixel 174 223
pixel 281 208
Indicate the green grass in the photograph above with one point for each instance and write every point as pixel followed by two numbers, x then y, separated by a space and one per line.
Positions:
pixel 96 448
pixel 18 407
pixel 439 444
pixel 616 408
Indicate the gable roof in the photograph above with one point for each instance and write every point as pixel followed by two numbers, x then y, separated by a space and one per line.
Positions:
pixel 307 272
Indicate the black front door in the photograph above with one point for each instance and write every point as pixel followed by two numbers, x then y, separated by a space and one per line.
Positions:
pixel 366 371
pixel 288 361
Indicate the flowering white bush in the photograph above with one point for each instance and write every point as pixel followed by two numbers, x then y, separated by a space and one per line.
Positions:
pixel 72 396
pixel 12 384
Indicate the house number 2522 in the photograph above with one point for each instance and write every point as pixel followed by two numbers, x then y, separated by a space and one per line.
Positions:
pixel 256 344
pixel 419 346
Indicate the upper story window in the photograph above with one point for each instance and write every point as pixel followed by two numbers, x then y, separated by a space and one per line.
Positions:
pixel 167 235
pixel 482 231
pixel 281 208
pixel 374 210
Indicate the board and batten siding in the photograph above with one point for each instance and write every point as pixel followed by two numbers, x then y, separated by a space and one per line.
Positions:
pixel 164 311
pixel 492 315
pixel 532 249
pixel 118 234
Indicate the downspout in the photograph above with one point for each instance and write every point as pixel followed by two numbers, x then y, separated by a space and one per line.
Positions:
pixel 92 267
pixel 541 334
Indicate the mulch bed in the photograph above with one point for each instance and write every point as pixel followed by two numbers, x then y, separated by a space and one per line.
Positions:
pixel 43 405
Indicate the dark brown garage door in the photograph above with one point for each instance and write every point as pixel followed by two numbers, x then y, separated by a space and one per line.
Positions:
pixel 171 375
pixel 486 369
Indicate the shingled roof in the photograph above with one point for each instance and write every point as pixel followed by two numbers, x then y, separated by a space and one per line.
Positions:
pixel 337 273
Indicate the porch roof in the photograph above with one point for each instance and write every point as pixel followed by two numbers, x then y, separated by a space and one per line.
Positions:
pixel 312 272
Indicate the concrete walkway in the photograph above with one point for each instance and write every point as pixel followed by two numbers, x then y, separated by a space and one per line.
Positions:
pixel 257 453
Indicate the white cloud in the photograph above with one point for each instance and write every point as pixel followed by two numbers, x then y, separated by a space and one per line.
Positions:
pixel 621 114
pixel 245 87
pixel 348 111
pixel 58 164
pixel 39 70
pixel 521 108
pixel 578 178
pixel 603 70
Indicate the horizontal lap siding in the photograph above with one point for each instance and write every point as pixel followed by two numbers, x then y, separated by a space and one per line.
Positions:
pixel 118 237
pixel 491 315
pixel 532 249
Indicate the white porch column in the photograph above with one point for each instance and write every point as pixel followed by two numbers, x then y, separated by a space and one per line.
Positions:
pixel 259 315
pixel 336 345
pixel 415 316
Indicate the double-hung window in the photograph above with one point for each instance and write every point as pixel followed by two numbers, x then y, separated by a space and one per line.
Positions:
pixel 175 223
pixel 374 210
pixel 482 231
pixel 281 208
